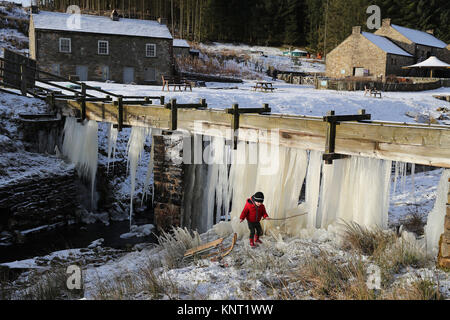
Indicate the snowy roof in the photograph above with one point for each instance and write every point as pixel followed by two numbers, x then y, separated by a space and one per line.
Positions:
pixel 385 44
pixel 431 62
pixel 420 37
pixel 297 50
pixel 100 24
pixel 180 43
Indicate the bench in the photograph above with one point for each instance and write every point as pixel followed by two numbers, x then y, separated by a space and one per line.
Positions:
pixel 175 83
pixel 263 86
pixel 373 92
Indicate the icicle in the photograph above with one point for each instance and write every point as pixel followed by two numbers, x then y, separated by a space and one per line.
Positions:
pixel 80 146
pixel 395 176
pixel 112 143
pixel 435 222
pixel 355 189
pixel 413 188
pixel 134 149
pixel 313 187
pixel 149 172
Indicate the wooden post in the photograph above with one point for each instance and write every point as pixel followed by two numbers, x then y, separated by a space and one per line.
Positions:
pixel 235 125
pixel 266 107
pixel 173 114
pixel 147 100
pixel 120 113
pixel 331 137
pixel 203 103
pixel 23 79
pixel 83 101
pixel 162 100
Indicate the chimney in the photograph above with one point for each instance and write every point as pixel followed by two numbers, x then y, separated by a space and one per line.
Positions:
pixel 431 31
pixel 386 22
pixel 162 21
pixel 356 30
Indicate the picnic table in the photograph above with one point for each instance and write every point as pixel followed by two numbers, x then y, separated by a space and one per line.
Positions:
pixel 373 92
pixel 175 82
pixel 263 86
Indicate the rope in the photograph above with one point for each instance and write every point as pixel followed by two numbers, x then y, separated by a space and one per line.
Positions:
pixel 298 215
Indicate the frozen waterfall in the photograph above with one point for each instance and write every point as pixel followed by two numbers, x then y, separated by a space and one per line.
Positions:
pixel 80 146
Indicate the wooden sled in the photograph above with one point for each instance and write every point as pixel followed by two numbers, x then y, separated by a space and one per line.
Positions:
pixel 204 247
pixel 218 255
pixel 223 252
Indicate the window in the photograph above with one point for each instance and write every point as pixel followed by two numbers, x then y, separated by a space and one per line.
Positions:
pixel 103 47
pixel 150 74
pixel 150 50
pixel 65 45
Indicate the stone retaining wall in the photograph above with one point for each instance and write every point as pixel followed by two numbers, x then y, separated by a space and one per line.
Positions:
pixel 38 201
pixel 168 174
pixel 444 243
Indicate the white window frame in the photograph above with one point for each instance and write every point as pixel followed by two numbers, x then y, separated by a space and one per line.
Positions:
pixel 69 42
pixel 148 50
pixel 107 47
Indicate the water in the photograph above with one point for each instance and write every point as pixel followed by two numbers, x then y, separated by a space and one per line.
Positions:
pixel 72 237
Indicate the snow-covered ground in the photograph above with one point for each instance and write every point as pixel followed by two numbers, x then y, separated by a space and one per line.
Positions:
pixel 298 99
pixel 266 56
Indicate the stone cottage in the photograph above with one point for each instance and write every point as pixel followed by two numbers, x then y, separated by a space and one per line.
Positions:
pixel 181 47
pixel 420 44
pixel 99 48
pixel 365 54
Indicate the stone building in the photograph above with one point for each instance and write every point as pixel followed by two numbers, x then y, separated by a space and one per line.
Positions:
pixel 181 47
pixel 420 44
pixel 365 54
pixel 100 48
pixel 384 52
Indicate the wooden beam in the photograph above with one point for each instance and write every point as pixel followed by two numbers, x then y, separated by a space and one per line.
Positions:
pixel 414 143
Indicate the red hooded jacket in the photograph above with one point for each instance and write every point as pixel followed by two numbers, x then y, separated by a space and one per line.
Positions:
pixel 253 213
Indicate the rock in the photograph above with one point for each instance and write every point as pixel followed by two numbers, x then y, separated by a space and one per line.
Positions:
pixel 96 243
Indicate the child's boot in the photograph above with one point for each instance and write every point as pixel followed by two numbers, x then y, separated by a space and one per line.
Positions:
pixel 252 244
pixel 257 239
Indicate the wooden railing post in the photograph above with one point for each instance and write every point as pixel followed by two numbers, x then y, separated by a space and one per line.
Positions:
pixel 235 125
pixel 23 79
pixel 83 101
pixel 173 114
pixel 162 100
pixel 203 103
pixel 120 115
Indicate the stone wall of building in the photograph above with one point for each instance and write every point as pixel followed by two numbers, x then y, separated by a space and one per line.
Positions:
pixel 355 52
pixel 444 244
pixel 168 173
pixel 124 51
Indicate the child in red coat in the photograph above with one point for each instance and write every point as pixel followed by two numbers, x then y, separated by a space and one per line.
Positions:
pixel 254 211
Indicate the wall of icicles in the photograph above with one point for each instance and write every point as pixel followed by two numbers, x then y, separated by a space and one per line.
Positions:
pixel 216 187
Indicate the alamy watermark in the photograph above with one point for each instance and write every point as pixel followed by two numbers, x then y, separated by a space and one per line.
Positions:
pixel 74 279
pixel 374 20
pixel 74 21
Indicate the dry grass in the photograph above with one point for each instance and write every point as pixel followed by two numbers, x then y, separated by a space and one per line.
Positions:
pixel 145 283
pixel 365 241
pixel 176 243
pixel 418 290
pixel 414 222
pixel 52 285
pixel 385 249
pixel 330 279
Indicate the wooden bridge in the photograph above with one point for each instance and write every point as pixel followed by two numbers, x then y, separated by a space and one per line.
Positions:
pixel 407 142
